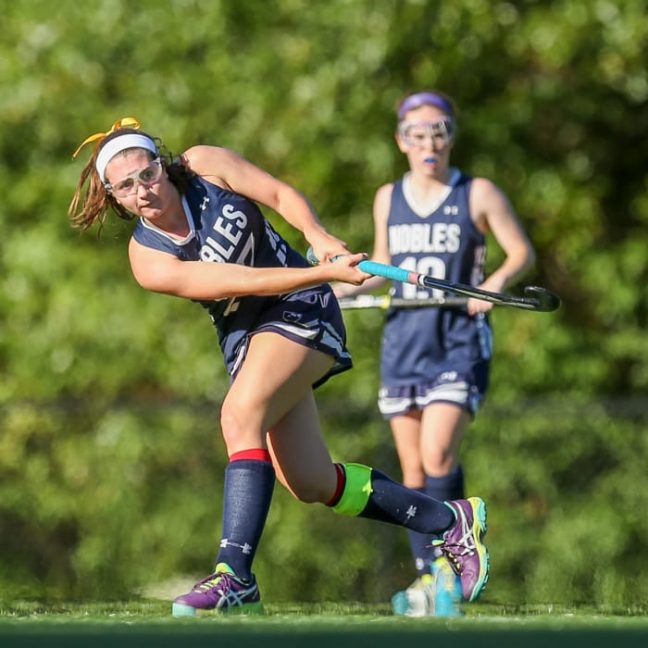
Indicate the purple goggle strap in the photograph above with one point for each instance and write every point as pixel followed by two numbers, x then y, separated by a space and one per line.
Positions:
pixel 424 99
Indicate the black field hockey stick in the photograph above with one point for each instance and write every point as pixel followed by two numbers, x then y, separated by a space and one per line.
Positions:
pixel 387 301
pixel 535 298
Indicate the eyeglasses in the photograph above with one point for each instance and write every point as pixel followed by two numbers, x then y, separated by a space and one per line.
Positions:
pixel 416 134
pixel 147 176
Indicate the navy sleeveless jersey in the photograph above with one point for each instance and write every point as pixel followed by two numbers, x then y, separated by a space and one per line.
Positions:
pixel 421 343
pixel 226 227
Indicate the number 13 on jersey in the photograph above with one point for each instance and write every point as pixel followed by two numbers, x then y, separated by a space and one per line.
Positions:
pixel 430 266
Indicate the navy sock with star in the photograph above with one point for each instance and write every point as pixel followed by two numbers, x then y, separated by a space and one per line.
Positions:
pixel 394 503
pixel 448 487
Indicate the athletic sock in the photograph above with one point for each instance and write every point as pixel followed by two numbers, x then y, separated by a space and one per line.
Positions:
pixel 448 487
pixel 368 493
pixel 249 483
pixel 420 547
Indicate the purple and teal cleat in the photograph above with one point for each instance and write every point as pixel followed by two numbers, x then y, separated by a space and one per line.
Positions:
pixel 221 591
pixel 463 546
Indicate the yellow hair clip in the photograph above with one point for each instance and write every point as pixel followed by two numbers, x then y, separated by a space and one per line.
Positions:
pixel 124 122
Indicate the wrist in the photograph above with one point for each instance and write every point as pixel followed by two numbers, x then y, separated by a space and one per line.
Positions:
pixel 497 281
pixel 324 273
pixel 314 230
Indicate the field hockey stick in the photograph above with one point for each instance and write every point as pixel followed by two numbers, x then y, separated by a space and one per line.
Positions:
pixel 535 298
pixel 387 301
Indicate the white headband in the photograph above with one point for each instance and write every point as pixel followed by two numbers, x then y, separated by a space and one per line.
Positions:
pixel 119 144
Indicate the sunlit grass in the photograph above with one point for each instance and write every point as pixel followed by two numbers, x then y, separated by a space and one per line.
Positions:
pixel 480 616
pixel 143 624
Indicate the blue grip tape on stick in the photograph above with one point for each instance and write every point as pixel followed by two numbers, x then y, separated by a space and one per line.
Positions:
pixel 372 268
pixel 386 271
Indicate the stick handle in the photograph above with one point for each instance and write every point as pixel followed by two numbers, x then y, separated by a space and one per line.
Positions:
pixel 387 271
pixel 375 268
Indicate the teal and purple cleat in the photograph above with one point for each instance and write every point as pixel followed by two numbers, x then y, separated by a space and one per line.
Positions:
pixel 221 591
pixel 463 546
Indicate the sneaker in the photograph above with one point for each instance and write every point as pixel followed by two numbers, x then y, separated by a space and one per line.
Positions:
pixel 447 589
pixel 436 594
pixel 463 546
pixel 221 591
pixel 415 600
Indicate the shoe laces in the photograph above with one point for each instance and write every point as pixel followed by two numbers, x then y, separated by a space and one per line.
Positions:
pixel 220 580
pixel 463 546
pixel 210 582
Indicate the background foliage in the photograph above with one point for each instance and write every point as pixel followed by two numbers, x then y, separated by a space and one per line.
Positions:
pixel 110 458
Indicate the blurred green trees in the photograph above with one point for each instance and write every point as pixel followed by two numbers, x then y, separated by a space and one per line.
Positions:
pixel 110 457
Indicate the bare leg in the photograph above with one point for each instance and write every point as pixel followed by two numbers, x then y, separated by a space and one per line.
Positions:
pixel 443 427
pixel 428 444
pixel 274 378
pixel 300 455
pixel 406 430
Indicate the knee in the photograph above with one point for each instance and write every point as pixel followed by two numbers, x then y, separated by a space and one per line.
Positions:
pixel 413 473
pixel 310 495
pixel 439 458
pixel 308 488
pixel 237 424
pixel 440 463
pixel 230 427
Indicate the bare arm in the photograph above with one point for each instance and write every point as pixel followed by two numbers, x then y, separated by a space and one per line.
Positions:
pixel 229 170
pixel 382 201
pixel 493 212
pixel 161 272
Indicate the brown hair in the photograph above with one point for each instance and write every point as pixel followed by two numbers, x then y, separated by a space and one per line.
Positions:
pixel 91 204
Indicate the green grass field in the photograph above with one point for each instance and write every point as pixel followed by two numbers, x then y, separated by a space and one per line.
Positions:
pixel 148 623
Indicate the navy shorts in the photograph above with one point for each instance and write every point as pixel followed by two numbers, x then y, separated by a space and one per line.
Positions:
pixel 466 389
pixel 310 317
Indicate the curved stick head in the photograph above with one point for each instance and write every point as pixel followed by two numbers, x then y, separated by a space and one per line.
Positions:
pixel 542 299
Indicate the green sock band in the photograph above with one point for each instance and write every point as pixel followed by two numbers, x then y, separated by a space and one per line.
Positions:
pixel 357 490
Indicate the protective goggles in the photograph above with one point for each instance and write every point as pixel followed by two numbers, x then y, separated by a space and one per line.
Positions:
pixel 439 133
pixel 147 176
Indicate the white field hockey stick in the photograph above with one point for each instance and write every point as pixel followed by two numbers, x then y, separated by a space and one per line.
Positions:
pixel 535 298
pixel 387 301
